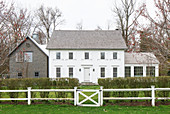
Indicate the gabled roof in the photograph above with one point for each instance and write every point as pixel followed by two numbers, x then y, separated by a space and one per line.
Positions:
pixel 140 58
pixel 41 47
pixel 86 39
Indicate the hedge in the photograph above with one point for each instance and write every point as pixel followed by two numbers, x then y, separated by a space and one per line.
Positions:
pixel 135 82
pixel 39 83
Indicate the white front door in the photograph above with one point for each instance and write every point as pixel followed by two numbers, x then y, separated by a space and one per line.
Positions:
pixel 86 74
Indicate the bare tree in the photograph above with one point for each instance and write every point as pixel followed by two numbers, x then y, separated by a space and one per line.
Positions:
pixel 14 27
pixel 48 19
pixel 156 36
pixel 109 25
pixel 20 26
pixel 126 17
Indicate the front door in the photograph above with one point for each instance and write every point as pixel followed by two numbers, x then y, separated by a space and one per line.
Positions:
pixel 86 74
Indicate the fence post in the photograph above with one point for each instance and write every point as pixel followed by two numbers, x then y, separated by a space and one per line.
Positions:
pixel 101 96
pixel 75 96
pixel 29 95
pixel 153 95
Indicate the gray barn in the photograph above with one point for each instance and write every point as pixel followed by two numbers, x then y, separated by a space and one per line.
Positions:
pixel 28 60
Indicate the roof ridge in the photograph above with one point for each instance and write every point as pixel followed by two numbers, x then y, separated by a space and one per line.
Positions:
pixel 88 30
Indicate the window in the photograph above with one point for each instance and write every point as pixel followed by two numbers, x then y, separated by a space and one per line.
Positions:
pixel 58 72
pixel 58 55
pixel 114 55
pixel 114 72
pixel 19 56
pixel 70 55
pixel 150 71
pixel 20 75
pixel 86 55
pixel 36 74
pixel 28 56
pixel 128 71
pixel 102 54
pixel 71 72
pixel 138 71
pixel 102 72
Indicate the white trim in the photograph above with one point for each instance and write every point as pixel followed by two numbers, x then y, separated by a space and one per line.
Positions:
pixel 42 47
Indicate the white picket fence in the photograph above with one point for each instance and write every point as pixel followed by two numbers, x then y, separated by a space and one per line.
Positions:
pixel 99 92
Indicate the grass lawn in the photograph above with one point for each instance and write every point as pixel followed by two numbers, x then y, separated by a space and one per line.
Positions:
pixel 68 109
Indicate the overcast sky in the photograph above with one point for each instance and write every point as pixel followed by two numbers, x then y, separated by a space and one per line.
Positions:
pixel 91 13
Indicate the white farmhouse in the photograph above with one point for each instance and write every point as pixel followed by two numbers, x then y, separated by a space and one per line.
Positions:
pixel 89 55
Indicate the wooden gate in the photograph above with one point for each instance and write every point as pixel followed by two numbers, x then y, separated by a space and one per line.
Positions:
pixel 94 93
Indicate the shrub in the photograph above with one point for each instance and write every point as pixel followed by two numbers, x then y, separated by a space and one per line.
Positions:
pixel 135 82
pixel 65 83
pixel 0 87
pixel 39 83
pixel 12 84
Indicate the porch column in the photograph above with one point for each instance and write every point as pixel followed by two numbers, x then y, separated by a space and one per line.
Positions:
pixel 156 70
pixel 144 70
pixel 132 71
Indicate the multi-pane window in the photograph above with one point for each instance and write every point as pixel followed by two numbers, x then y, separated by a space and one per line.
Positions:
pixel 150 71
pixel 71 72
pixel 36 74
pixel 19 74
pixel 128 71
pixel 19 56
pixel 138 71
pixel 86 55
pixel 102 70
pixel 115 72
pixel 114 55
pixel 28 56
pixel 70 55
pixel 102 55
pixel 58 55
pixel 58 72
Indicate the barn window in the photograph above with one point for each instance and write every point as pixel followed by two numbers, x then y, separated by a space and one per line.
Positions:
pixel 28 56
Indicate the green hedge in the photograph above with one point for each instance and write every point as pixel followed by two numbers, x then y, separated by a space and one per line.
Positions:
pixel 39 83
pixel 135 82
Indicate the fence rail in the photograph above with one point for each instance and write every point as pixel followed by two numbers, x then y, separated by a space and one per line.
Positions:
pixel 99 92
pixel 141 89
